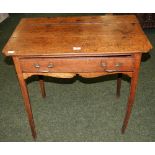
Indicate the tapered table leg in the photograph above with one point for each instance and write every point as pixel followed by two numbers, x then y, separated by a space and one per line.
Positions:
pixel 133 85
pixel 42 86
pixel 119 79
pixel 25 96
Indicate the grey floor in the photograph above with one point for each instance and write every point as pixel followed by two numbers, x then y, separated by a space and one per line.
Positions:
pixel 75 109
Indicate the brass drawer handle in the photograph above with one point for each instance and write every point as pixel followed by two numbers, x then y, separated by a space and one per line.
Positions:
pixel 110 70
pixel 36 65
pixel 103 64
pixel 50 66
pixel 118 64
pixel 44 71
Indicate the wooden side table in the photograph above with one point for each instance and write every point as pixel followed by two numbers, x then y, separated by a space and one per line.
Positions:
pixel 89 46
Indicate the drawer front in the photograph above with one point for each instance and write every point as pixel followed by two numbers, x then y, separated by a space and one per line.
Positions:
pixel 73 65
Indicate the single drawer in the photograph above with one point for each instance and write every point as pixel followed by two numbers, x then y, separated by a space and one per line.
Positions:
pixel 73 65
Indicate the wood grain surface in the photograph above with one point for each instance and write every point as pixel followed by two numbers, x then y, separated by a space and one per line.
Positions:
pixel 77 36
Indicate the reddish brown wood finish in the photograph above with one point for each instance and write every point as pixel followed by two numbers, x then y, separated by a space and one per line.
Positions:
pixel 86 46
pixel 25 96
pixel 85 64
pixel 133 86
pixel 72 36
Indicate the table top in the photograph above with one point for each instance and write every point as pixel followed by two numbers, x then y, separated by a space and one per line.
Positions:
pixel 83 35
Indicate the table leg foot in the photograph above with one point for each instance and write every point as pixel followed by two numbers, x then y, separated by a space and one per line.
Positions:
pixel 34 135
pixel 123 130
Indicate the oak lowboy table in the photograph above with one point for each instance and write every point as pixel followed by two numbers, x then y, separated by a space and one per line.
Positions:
pixel 89 46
